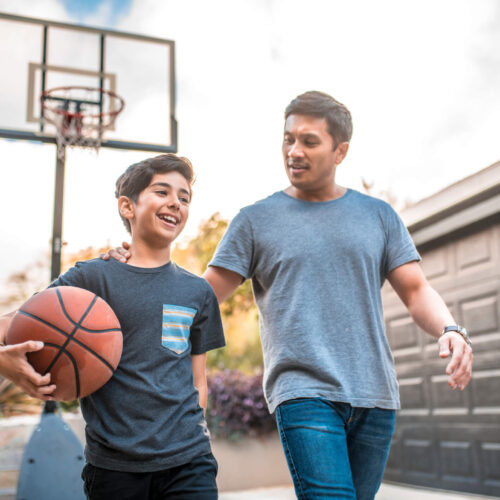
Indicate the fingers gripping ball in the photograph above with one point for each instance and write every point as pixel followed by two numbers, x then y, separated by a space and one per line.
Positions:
pixel 82 337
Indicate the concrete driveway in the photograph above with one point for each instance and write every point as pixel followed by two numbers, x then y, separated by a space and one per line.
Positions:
pixel 386 492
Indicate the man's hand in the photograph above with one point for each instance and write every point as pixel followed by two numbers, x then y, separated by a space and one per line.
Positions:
pixel 14 366
pixel 120 254
pixel 460 366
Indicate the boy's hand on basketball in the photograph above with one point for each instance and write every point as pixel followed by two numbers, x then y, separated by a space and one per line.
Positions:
pixel 120 254
pixel 459 368
pixel 14 366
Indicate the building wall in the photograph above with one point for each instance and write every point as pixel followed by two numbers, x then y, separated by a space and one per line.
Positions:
pixel 447 438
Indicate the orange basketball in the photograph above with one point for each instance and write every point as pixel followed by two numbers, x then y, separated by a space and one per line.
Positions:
pixel 82 337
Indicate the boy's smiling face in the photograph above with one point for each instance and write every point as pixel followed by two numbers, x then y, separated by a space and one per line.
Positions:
pixel 162 209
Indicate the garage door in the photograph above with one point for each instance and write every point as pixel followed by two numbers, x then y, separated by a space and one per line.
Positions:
pixel 447 438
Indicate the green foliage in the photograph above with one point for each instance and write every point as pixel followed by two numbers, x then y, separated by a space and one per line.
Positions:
pixel 239 313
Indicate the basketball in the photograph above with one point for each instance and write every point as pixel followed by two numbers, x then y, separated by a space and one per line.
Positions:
pixel 82 337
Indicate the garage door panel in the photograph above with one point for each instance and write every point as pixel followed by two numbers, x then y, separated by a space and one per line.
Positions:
pixel 446 438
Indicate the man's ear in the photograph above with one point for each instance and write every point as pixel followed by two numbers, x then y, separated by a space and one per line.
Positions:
pixel 341 152
pixel 126 207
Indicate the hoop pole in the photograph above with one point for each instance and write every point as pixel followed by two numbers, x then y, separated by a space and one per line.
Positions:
pixel 55 268
pixel 44 71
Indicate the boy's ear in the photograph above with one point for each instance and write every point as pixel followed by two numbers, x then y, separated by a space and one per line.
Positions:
pixel 126 207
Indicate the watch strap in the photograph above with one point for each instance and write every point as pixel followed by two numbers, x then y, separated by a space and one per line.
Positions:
pixel 460 330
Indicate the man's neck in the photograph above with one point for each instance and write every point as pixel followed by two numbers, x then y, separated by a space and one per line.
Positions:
pixel 332 193
pixel 143 255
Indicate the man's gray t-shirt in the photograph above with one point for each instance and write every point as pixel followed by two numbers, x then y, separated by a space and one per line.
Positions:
pixel 147 417
pixel 317 269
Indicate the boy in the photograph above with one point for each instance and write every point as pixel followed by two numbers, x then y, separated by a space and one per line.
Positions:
pixel 146 432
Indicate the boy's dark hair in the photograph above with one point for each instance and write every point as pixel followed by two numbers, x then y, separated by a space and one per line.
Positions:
pixel 138 176
pixel 321 105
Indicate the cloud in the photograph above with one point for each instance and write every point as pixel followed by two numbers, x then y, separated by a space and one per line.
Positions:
pixel 420 78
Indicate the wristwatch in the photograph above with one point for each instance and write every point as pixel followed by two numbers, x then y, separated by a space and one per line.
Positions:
pixel 459 329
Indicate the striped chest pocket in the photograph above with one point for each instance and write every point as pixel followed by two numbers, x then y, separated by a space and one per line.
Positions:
pixel 176 325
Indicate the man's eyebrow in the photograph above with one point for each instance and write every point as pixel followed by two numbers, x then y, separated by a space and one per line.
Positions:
pixel 303 134
pixel 309 134
pixel 169 186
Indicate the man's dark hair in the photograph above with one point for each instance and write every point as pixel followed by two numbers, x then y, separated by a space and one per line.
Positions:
pixel 321 105
pixel 138 176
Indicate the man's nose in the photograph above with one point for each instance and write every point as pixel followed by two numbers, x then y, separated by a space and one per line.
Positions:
pixel 295 150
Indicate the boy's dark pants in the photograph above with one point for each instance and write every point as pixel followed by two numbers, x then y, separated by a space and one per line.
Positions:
pixel 194 480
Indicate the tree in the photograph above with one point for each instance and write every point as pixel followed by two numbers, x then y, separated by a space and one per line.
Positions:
pixel 239 312
pixel 387 195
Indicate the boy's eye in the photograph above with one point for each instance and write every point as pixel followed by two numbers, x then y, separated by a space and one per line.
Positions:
pixel 184 199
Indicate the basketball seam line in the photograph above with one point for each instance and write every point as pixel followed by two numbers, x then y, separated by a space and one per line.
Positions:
pixel 74 323
pixel 75 366
pixel 81 344
pixel 71 335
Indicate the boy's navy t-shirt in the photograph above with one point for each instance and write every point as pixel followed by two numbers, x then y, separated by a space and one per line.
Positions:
pixel 147 417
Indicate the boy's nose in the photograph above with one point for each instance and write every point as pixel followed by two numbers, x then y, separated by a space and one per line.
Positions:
pixel 174 203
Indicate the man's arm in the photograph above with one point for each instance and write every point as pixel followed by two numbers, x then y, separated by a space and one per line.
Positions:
pixel 199 362
pixel 430 313
pixel 223 281
pixel 120 254
pixel 14 365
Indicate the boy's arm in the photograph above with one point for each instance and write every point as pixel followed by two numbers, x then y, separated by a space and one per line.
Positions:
pixel 199 362
pixel 430 313
pixel 14 365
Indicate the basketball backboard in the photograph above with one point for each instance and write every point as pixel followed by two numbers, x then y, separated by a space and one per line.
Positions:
pixel 39 55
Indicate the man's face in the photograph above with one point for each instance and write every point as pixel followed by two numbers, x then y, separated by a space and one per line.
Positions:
pixel 309 153
pixel 162 209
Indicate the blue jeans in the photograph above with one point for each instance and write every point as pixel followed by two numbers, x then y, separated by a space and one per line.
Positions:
pixel 334 450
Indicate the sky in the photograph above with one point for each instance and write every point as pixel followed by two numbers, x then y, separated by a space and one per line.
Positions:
pixel 420 78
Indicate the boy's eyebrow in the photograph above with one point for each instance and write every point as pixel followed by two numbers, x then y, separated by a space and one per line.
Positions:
pixel 169 186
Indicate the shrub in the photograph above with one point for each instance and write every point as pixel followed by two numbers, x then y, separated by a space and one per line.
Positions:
pixel 236 406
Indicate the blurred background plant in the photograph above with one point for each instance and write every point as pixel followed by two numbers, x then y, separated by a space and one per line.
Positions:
pixel 236 406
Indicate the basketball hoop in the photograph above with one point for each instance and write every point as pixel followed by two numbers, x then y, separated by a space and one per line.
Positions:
pixel 80 115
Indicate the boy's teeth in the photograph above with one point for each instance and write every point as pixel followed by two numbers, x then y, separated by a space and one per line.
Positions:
pixel 168 219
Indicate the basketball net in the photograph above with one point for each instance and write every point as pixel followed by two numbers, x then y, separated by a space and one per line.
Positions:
pixel 75 113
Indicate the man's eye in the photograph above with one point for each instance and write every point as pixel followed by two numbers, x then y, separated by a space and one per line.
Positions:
pixel 311 144
pixel 287 140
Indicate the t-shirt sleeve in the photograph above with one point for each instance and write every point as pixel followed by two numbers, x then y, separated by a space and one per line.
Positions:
pixel 400 248
pixel 207 332
pixel 74 276
pixel 236 249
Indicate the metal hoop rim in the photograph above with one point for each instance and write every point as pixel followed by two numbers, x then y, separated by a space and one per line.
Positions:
pixel 46 94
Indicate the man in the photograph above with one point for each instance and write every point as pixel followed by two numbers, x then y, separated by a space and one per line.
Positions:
pixel 318 254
